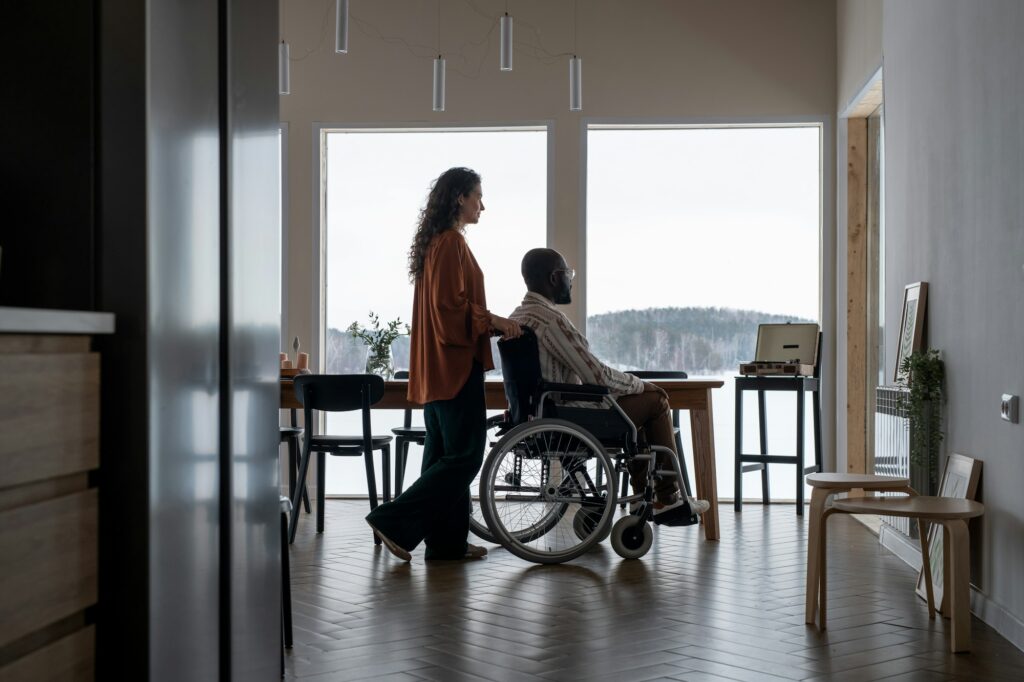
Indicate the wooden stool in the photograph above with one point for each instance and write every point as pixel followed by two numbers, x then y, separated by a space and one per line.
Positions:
pixel 823 486
pixel 952 513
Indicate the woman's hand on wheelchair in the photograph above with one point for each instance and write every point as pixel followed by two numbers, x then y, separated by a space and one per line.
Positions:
pixel 506 328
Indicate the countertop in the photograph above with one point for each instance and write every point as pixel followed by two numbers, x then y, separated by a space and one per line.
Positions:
pixel 44 321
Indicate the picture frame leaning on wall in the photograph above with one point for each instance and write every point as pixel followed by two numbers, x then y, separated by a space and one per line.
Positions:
pixel 911 338
pixel 960 479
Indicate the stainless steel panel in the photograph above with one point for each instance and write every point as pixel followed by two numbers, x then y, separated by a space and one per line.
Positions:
pixel 183 320
pixel 254 303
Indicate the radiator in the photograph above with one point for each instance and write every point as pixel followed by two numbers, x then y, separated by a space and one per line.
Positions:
pixel 892 446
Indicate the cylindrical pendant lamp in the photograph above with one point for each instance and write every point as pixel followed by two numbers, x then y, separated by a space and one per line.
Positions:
pixel 575 84
pixel 506 43
pixel 284 85
pixel 341 27
pixel 439 84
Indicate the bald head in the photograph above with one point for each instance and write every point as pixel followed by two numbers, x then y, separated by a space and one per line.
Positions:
pixel 538 264
pixel 544 271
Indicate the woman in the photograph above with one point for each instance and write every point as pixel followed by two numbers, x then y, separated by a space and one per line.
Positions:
pixel 450 351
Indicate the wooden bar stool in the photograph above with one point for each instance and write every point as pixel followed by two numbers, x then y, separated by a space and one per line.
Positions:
pixel 953 514
pixel 824 486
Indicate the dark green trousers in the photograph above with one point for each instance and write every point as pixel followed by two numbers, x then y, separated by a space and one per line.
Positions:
pixel 436 508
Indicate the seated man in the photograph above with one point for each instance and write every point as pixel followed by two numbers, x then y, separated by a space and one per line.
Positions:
pixel 565 357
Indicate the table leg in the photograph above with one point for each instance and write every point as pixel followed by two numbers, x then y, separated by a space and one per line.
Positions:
pixel 818 497
pixel 703 435
pixel 958 583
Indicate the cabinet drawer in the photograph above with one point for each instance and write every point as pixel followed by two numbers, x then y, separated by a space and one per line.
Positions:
pixel 69 659
pixel 49 415
pixel 47 562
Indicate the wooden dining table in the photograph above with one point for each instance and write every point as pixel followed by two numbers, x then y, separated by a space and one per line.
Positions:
pixel 692 395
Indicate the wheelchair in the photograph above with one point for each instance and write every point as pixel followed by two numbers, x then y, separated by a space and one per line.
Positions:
pixel 548 487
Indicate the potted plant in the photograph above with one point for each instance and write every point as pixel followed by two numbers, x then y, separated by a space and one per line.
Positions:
pixel 379 338
pixel 922 403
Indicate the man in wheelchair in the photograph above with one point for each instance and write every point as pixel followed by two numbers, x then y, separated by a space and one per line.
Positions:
pixel 565 358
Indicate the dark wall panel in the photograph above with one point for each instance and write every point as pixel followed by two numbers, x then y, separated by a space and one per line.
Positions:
pixel 47 141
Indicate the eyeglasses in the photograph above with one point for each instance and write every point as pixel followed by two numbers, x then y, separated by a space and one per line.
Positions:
pixel 569 271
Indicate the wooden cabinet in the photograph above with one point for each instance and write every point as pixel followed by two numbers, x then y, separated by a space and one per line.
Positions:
pixel 49 454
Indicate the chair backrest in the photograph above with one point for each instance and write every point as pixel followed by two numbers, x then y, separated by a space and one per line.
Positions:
pixel 659 374
pixel 520 370
pixel 338 392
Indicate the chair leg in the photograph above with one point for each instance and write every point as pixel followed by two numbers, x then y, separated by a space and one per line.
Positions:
pixel 286 583
pixel 300 490
pixel 293 464
pixel 799 451
pixel 385 465
pixel 371 486
pixel 816 415
pixel 293 459
pixel 321 483
pixel 400 448
pixel 687 488
pixel 762 434
pixel 738 468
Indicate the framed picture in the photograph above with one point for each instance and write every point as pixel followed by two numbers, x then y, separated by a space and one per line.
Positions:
pixel 959 479
pixel 911 339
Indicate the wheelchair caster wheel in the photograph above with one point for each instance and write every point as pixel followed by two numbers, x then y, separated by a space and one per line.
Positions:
pixel 631 537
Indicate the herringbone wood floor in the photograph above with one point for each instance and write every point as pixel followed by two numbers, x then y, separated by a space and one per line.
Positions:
pixel 689 610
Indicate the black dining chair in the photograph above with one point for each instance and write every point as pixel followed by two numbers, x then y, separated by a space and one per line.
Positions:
pixel 668 374
pixel 405 436
pixel 340 393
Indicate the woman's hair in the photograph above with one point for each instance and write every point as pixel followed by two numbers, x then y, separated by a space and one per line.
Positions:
pixel 440 213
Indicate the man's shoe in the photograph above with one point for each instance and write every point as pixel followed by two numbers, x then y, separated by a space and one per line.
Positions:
pixel 475 551
pixel 683 512
pixel 391 545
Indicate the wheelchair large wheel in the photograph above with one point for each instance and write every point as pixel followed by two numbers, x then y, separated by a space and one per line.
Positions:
pixel 535 482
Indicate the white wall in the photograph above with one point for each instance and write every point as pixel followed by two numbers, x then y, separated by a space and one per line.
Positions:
pixel 954 118
pixel 858 46
pixel 692 60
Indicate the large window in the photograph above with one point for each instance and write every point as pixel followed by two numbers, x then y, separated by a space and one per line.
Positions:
pixel 375 183
pixel 694 236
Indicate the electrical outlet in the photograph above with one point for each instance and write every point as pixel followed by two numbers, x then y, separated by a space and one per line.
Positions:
pixel 1008 408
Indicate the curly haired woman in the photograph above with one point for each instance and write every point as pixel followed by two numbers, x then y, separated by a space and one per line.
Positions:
pixel 450 351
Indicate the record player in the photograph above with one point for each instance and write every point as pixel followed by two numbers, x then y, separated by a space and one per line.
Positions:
pixel 784 350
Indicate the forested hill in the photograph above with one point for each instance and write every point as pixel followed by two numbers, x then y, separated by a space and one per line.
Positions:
pixel 697 340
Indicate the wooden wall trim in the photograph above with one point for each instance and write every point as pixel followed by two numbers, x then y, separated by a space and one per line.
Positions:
pixel 857 295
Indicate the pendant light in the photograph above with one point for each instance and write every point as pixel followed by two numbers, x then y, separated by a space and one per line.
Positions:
pixel 283 68
pixel 575 69
pixel 341 27
pixel 575 84
pixel 439 83
pixel 506 41
pixel 439 67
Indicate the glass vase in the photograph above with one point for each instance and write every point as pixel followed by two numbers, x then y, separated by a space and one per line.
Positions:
pixel 381 364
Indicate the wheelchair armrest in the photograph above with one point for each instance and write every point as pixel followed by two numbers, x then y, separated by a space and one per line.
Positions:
pixel 578 391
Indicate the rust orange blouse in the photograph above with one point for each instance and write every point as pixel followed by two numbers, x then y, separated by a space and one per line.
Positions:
pixel 450 323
